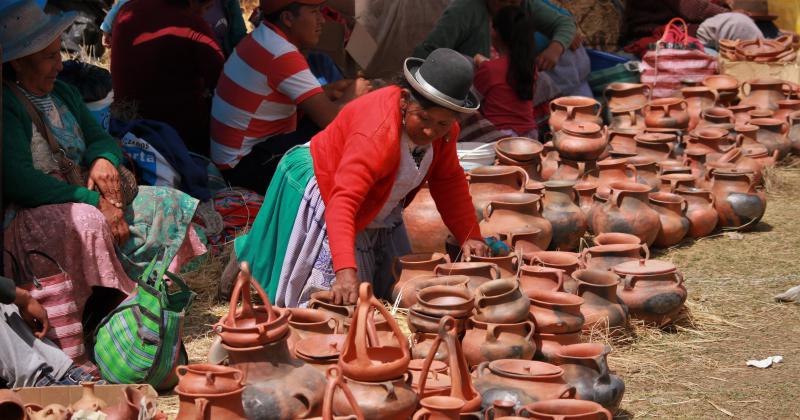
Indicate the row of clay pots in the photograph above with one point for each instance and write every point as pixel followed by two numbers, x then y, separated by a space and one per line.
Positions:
pixel 129 406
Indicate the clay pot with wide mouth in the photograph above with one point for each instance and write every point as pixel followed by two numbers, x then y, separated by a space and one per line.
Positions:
pixel 533 167
pixel 206 379
pixel 305 322
pixel 486 342
pixel 423 323
pixel 570 170
pixel 408 295
pixel 323 301
pixel 698 99
pixel 717 117
pixel 477 272
pixel 586 368
pixel 741 113
pixel 744 162
pixel 646 171
pixel 535 277
pixel 561 209
pixel 628 211
pixel 628 118
pixel 506 212
pixel 408 267
pixel 601 308
pixel 488 182
pixel 211 406
pixel 508 264
pixel 653 290
pixel 658 146
pixel 671 210
pixel 761 154
pixel 700 211
pixel 763 93
pixel 611 170
pixel 772 134
pixel 794 131
pixel 555 312
pixel 562 260
pixel 320 351
pixel 521 149
pixel 501 302
pixel 671 181
pixel 667 113
pixel 439 408
pixel 426 230
pixel 739 204
pixel 620 95
pixel 695 159
pixel 521 381
pixel 523 240
pixel 421 346
pixel 613 238
pixel 439 301
pixel 573 108
pixel 712 139
pixel 581 141
pixel 604 257
pixel 393 399
pixel 548 345
pixel 566 410
pixel 760 113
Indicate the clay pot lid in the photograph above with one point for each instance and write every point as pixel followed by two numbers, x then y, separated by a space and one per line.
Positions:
pixel 721 82
pixel 524 369
pixel 436 365
pixel 760 113
pixel 655 137
pixel 519 148
pixel 755 150
pixel 639 160
pixel 321 346
pixel 710 133
pixel 644 267
pixel 745 128
pixel 581 128
pixel 765 122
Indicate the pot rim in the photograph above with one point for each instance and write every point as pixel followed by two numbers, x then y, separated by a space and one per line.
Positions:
pixel 644 267
pixel 507 368
pixel 556 298
pixel 590 347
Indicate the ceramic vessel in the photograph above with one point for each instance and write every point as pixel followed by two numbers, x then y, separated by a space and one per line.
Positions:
pixel 566 410
pixel 305 322
pixel 586 191
pixel 719 117
pixel 794 131
pixel 696 160
pixel 501 302
pixel 657 146
pixel 763 93
pixel 216 406
pixel 586 368
pixel 772 134
pixel 456 301
pixel 323 301
pixel 88 401
pixel 534 277
pixel 629 118
pixel 599 199
pixel 741 113
pixel 601 309
pixel 410 266
pixel 671 181
pixel 700 211
pixel 760 113
pixel 533 168
pixel 524 240
pixel 208 379
pixel 671 210
pixel 336 382
pixel 392 399
pixel 604 257
pixel 612 170
pixel 422 323
pixel 739 204
pixel 566 261
pixel 521 149
pixel 132 403
pixel 548 345
pixel 555 312
pixel 549 161
pixel 667 113
pixel 628 211
pixel 619 95
pixel 698 99
pixel 521 381
pixel 510 211
pixel 320 351
pixel 653 290
pixel 646 171
pixel 421 347
pixel 508 264
pixel 622 141
pixel 711 139
pixel 786 107
pixel 578 140
pixel 486 342
pixel 761 155
pixel 439 408
pixel 613 238
pixel 488 182
pixel 573 108
pixel 561 209
pixel 426 230
pixel 499 409
pixel 477 272
pixel 568 170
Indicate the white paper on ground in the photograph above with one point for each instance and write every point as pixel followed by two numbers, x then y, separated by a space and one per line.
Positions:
pixel 765 363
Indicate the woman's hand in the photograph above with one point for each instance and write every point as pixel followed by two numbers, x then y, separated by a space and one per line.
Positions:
pixel 105 177
pixel 345 287
pixel 474 247
pixel 116 220
pixel 479 59
pixel 548 58
pixel 32 312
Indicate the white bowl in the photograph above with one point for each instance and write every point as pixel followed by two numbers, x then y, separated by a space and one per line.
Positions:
pixel 482 154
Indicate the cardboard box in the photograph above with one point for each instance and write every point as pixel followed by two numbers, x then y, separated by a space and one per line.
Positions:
pixel 746 70
pixel 361 46
pixel 66 395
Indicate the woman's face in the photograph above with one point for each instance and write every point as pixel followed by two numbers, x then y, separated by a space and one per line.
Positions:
pixel 37 72
pixel 426 125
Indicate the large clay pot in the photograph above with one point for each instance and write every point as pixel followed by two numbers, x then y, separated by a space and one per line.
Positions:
pixel 510 211
pixel 646 171
pixel 486 342
pixel 478 272
pixel 573 108
pixel 696 160
pixel 410 266
pixel 439 408
pixel 619 95
pixel 207 379
pixel 555 312
pixel 741 113
pixel 712 139
pixel 658 146
pixel 628 211
pixel 501 302
pixel 652 290
pixel 772 134
pixel 794 132
pixel 320 351
pixel 456 301
pixel 393 399
pixel 488 182
pixel 581 140
pixel 622 141
pixel 88 401
pixel 601 308
pixel 599 199
pixel 700 211
pixel 304 323
pixel 561 209
pixel 698 99
pixel 128 408
pixel 426 230
pixel 671 210
pixel 521 149
pixel 566 410
pixel 566 261
pixel 568 170
pixel 744 162
pixel 612 170
pixel 604 257
pixel 739 204
pixel 763 93
pixel 534 277
pixel 786 107
pixel 586 368
pixel 726 86
pixel 521 381
pixel 219 405
pixel 667 113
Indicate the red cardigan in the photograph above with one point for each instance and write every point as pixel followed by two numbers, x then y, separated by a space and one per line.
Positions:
pixel 356 159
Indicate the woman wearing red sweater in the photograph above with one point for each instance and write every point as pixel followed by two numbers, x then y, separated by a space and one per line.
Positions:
pixel 333 212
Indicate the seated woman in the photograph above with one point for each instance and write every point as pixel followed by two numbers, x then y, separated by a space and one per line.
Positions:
pixel 85 226
pixel 332 216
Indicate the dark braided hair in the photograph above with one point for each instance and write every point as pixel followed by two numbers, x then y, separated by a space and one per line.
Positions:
pixel 515 28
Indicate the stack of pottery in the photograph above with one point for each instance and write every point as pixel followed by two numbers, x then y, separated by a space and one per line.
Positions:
pixel 573 108
pixel 511 211
pixel 558 321
pixel 210 392
pixel 521 152
pixel 652 290
pixel 586 368
pixel 446 296
pixel 601 309
pixel 407 269
pixel 521 381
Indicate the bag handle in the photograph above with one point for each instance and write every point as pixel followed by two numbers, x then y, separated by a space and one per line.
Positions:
pixel 682 36
pixel 35 279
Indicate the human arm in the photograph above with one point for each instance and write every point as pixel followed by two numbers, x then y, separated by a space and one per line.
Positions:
pixel 237 29
pixel 31 311
pixel 450 30
pixel 560 28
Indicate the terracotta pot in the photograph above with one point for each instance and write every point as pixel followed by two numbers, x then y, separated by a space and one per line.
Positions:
pixel 695 159
pixel 392 399
pixel 610 171
pixel 227 406
pixel 622 141
pixel 207 379
pixel 601 309
pixel 763 93
pixel 499 409
pixel 628 211
pixel 717 117
pixel 304 323
pixel 697 99
pixel 712 139
pixel 772 134
pixel 439 408
pixel 555 312
pixel 439 301
pixel 11 406
pixel 549 161
pixel 671 209
pixel 700 211
pixel 521 149
pixel 671 181
pixel 421 346
pixel 604 257
pixel 761 155
pixel 506 212
pixel 760 113
pixel 630 118
pixel 49 412
pixel 420 322
pixel 566 410
pixel 478 272
pixel 524 240
pixel 320 351
pixel 566 261
pixel 533 168
pixel 561 209
pixel 749 134
pixel 653 290
pixel 501 302
pixel 426 230
pixel 667 113
pixel 581 141
pixel 614 238
pixel 586 190
pixel 739 204
pixel 336 382
pixel 646 171
pixel 658 146
pixel 362 360
pixel 128 407
pixel 744 162
pixel 741 113
pixel 486 183
pixel 88 401
pixel 323 301
pixel 599 199
pixel 534 277
pixel 794 132
pixel 486 342
pixel 620 95
pixel 586 368
pixel 521 381
pixel 568 170
pixel 573 108
pixel 410 266
pixel 548 345
pixel 508 264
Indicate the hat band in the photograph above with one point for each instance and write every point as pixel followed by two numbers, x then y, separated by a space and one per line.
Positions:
pixel 435 92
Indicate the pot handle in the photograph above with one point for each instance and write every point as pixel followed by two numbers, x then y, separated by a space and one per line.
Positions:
pixel 570 112
pixel 680 278
pixel 479 299
pixel 649 90
pixel 531 327
pixel 481 367
pixel 628 282
pixel 685 106
pixel 605 92
pixel 748 85
pixel 598 107
pixel 334 375
pixel 494 267
pixel 739 140
pixel 790 89
pixel 181 371
pixel 784 127
pixel 201 406
pixel 604 412
pixel 647 108
pixel 633 170
pixel 487 211
pixel 646 250
pixel 634 117
pixel 684 206
pixel 575 197
pixel 568 393
pixel 241 291
pixel 446 325
pixel 491 333
pixel 422 413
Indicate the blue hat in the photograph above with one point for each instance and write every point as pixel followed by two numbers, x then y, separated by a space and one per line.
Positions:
pixel 25 29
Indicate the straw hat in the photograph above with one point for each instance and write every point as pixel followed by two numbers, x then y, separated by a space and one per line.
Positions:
pixel 445 78
pixel 25 29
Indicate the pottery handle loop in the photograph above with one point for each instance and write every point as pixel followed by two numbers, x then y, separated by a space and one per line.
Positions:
pixel 575 197
pixel 739 140
pixel 790 89
pixel 531 329
pixel 305 398
pixel 181 371
pixel 680 278
pixel 598 107
pixel 486 415
pixel 487 211
pixel 497 274
pixel 634 117
pixel 628 282
pixel 523 181
pixel 491 333
pixel 784 127
pixel 646 250
pixel 634 172
pixel 749 90
pixel 684 207
pixel 605 92
pixel 570 112
pixel 568 393
pixel 422 413
pixel 480 368
pixel 603 411
pixel 201 405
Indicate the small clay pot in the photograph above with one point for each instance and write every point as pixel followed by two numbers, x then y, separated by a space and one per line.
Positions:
pixel 323 301
pixel 620 95
pixel 581 140
pixel 521 149
pixel 628 211
pixel 653 290
pixel 486 342
pixel 739 204
pixel 772 133
pixel 697 99
pixel 440 301
pixel 622 141
pixel 667 113
pixel 671 210
pixel 763 93
pixel 566 410
pixel 556 312
pixel 740 113
pixel 501 302
pixel 410 266
pixel 548 345
pixel 601 308
pixel 506 212
pixel 208 379
pixel 536 277
pixel 646 171
pixel 567 261
pixel 573 108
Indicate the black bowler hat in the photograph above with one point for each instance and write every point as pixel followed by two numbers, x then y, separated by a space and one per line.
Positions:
pixel 445 78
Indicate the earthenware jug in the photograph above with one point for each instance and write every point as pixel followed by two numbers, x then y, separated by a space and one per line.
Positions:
pixel 501 302
pixel 601 308
pixel 763 93
pixel 652 290
pixel 426 230
pixel 698 99
pixel 700 211
pixel 580 140
pixel 628 211
pixel 611 170
pixel 658 146
pixel 411 266
pixel 506 212
pixel 566 410
pixel 772 134
pixel 573 108
pixel 439 408
pixel 671 210
pixel 486 342
pixel 535 277
pixel 667 113
pixel 566 261
pixel 487 182
pixel 585 368
pixel 11 406
pixel 521 381
pixel 739 204
pixel 305 322
pixel 620 95
pixel 555 312
pixel 561 209
pixel 604 257
pixel 393 399
pixel 133 401
pixel 88 401
pixel 794 132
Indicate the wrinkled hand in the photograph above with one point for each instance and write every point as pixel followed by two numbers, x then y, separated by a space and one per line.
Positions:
pixel 479 59
pixel 345 287
pixel 576 42
pixel 116 220
pixel 105 177
pixel 32 312
pixel 548 58
pixel 474 247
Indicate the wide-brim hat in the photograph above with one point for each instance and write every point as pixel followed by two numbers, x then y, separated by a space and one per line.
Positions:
pixel 26 29
pixel 444 78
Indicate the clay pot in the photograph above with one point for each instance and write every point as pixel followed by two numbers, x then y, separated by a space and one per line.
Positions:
pixel 421 346
pixel 599 199
pixel 439 301
pixel 304 323
pixel 501 302
pixel 604 257
pixel 533 168
pixel 738 203
pixel 629 119
pixel 323 301
pixel 420 322
pixel 524 240
pixel 320 351
pixel 581 140
pixel 566 410
pixel 362 360
pixel 671 210
pixel 711 139
pixel 794 131
pixel 760 113
pixel 426 230
pixel 555 312
pixel 772 134
pixel 548 345
pixel 586 368
pixel 763 93
pixel 718 117
pixel 392 399
pixel 653 290
pixel 628 211
pixel 613 238
pixel 566 261
pixel 761 155
pixel 534 277
pixel 744 162
pixel 410 266
pixel 207 379
pixel 620 95
pixel 439 408
pixel 561 209
pixel 741 114
pixel 657 146
pixel 671 181
pixel 646 171
pixel 521 381
pixel 486 342
pixel 507 212
pixel 568 170
pixel 622 141
pixel 508 264
pixel 573 108
pixel 488 182
pixel 700 211
pixel 88 401
pixel 499 409
pixel 695 159
pixel 698 99
pixel 726 86
pixel 586 190
pixel 11 406
pixel 336 381
pixel 478 272
pixel 521 149
pixel 601 309
pixel 217 406
pixel 49 412
pixel 549 161
pixel 610 171
pixel 129 405
pixel 667 113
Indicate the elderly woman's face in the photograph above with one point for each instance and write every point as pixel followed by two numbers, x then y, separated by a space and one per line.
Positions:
pixel 37 72
pixel 426 125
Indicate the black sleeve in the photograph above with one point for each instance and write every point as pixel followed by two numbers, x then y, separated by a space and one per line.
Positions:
pixel 8 290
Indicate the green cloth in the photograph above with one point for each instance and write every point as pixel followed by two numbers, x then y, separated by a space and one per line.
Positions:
pixel 27 186
pixel 465 27
pixel 264 247
pixel 236 26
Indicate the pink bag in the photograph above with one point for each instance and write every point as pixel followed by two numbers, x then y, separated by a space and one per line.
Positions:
pixel 677 57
